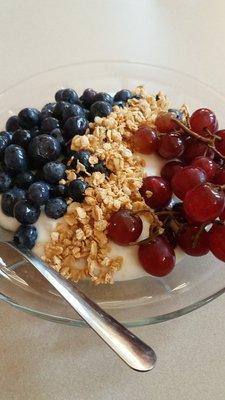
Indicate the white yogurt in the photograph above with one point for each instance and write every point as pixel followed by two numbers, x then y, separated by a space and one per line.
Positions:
pixel 131 268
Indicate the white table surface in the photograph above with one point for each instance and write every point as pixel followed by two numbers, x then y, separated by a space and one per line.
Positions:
pixel 40 360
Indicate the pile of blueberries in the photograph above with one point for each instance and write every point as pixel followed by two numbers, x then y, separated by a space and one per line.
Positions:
pixel 35 149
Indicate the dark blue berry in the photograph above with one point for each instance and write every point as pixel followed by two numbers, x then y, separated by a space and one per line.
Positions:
pixel 88 97
pixel 57 134
pixel 26 212
pixel 26 235
pixel 87 114
pixel 43 148
pixel 10 198
pixel 60 107
pixel 34 132
pixel 123 95
pixel 75 126
pixel 102 96
pixel 53 171
pixel 58 95
pixel 100 167
pixel 39 192
pixel 4 142
pixel 76 190
pixel 100 109
pixel 24 179
pixel 48 124
pixel 49 107
pixel 45 114
pixel 83 157
pixel 12 124
pixel 119 103
pixel 15 158
pixel 70 96
pixel 22 137
pixel 5 182
pixel 29 118
pixel 55 207
pixel 59 191
pixel 178 114
pixel 72 111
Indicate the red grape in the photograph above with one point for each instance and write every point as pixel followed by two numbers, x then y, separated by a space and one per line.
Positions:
pixel 145 140
pixel 124 227
pixel 204 203
pixel 158 257
pixel 164 122
pixel 203 119
pixel 217 241
pixel 171 146
pixel 186 237
pixel 220 144
pixel 207 165
pixel 222 215
pixel 195 148
pixel 220 177
pixel 160 189
pixel 170 169
pixel 186 179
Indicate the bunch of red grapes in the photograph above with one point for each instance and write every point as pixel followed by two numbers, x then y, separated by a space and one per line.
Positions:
pixel 194 174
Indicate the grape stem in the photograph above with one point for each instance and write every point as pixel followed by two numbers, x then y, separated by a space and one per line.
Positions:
pixel 209 141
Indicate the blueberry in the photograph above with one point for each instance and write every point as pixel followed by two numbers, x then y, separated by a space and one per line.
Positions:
pixel 26 235
pixel 83 157
pixel 34 132
pixel 49 107
pixel 102 96
pixel 75 126
pixel 12 124
pixel 29 117
pixel 21 137
pixel 58 95
pixel 177 113
pixel 57 134
pixel 76 190
pixel 15 158
pixel 53 171
pixel 59 191
pixel 88 97
pixel 87 114
pixel 123 95
pixel 60 107
pixel 5 182
pixel 55 207
pixel 4 142
pixel 39 192
pixel 69 95
pixel 100 167
pixel 100 109
pixel 72 111
pixel 45 114
pixel 24 179
pixel 48 124
pixel 119 103
pixel 25 212
pixel 43 148
pixel 10 198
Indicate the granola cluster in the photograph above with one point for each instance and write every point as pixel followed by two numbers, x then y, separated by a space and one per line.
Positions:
pixel 79 248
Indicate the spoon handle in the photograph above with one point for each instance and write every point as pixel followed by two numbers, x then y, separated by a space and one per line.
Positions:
pixel 125 344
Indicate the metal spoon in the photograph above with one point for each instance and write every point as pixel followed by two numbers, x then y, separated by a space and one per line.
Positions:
pixel 125 344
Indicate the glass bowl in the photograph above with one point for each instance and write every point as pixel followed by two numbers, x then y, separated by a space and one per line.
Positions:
pixel 193 282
